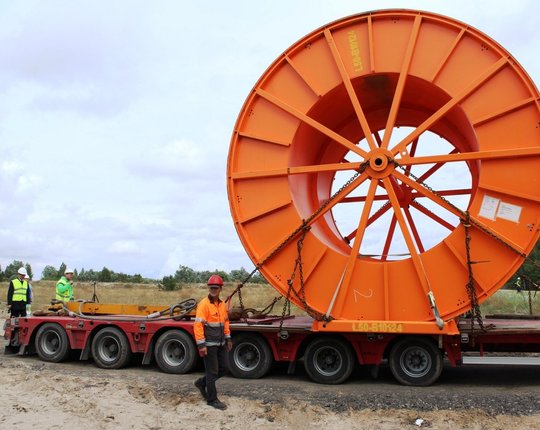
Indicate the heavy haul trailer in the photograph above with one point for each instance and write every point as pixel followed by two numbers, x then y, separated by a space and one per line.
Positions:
pixel 328 358
pixel 382 176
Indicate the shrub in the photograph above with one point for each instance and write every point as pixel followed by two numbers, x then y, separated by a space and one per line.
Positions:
pixel 168 283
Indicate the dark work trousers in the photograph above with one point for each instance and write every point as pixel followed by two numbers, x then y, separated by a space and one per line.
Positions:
pixel 216 365
pixel 18 309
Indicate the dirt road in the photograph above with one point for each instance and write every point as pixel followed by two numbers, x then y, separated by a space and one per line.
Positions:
pixel 35 394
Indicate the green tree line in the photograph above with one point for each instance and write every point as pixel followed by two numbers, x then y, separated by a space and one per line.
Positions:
pixel 187 275
pixel 183 275
pixel 529 271
pixel 11 270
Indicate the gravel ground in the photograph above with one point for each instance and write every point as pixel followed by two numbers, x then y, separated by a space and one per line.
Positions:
pixel 468 397
pixel 495 390
pixel 145 398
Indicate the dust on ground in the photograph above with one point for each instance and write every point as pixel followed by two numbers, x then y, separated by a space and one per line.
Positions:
pixel 78 395
pixel 74 394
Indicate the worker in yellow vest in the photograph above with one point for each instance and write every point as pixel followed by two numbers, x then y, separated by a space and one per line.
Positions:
pixel 18 294
pixel 64 287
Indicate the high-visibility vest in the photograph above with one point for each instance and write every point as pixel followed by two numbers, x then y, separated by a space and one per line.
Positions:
pixel 211 323
pixel 19 290
pixel 65 295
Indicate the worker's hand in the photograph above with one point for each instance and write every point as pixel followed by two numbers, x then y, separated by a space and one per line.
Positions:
pixel 229 345
pixel 203 351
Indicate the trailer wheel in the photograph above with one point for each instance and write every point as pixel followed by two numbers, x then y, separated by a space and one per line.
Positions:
pixel 328 361
pixel 175 352
pixel 110 348
pixel 52 343
pixel 250 357
pixel 416 361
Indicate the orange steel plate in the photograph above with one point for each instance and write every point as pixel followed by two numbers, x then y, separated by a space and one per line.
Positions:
pixel 418 117
pixel 115 309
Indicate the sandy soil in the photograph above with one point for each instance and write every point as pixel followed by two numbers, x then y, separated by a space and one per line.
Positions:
pixel 74 395
pixel 38 395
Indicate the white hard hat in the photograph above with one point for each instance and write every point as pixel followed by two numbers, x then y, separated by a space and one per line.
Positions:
pixel 22 271
pixel 68 271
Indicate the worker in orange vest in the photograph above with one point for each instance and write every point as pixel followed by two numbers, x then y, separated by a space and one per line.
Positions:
pixel 213 337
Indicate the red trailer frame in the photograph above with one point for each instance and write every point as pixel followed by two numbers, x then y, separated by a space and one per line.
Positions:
pixel 329 358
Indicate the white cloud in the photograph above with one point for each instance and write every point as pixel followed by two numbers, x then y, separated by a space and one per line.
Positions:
pixel 115 120
pixel 10 167
pixel 125 247
pixel 29 183
pixel 181 158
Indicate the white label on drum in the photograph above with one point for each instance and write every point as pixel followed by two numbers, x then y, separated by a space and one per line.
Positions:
pixel 489 207
pixel 509 212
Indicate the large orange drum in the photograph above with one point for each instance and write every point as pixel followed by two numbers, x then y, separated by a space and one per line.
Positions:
pixel 381 130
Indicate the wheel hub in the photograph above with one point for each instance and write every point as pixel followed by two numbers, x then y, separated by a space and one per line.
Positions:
pixel 379 163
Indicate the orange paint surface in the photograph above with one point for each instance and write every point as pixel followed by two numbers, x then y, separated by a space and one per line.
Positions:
pixel 349 101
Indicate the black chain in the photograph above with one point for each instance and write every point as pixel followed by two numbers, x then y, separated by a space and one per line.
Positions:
pixel 463 215
pixel 305 223
pixel 243 313
pixel 467 221
pixel 301 228
pixel 471 291
pixel 526 283
pixel 286 312
pixel 301 295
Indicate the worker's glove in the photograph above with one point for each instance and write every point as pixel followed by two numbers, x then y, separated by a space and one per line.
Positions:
pixel 203 351
pixel 229 345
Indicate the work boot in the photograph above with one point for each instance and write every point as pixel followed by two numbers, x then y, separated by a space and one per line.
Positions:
pixel 218 405
pixel 198 383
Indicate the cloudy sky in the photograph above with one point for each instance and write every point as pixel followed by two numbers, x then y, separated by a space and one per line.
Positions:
pixel 116 117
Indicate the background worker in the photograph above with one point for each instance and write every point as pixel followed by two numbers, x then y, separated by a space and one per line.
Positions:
pixel 213 337
pixel 64 287
pixel 18 294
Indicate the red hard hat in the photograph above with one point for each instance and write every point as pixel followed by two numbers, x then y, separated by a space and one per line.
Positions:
pixel 215 280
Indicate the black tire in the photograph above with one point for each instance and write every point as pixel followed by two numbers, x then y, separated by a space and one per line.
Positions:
pixel 250 357
pixel 175 352
pixel 110 348
pixel 416 361
pixel 329 361
pixel 52 343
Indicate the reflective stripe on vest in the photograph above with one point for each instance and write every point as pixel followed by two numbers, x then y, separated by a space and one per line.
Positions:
pixel 19 290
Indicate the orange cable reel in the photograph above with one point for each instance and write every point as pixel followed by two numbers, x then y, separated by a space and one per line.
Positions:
pixel 435 119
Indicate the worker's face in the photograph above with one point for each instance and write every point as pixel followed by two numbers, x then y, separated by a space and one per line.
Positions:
pixel 214 290
pixel 69 276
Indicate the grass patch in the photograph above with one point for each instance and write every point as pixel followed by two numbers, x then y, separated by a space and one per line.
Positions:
pixel 511 302
pixel 256 296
